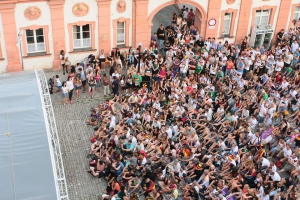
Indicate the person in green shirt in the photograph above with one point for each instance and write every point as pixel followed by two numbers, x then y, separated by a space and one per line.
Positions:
pixel 288 71
pixel 220 75
pixel 137 79
pixel 198 70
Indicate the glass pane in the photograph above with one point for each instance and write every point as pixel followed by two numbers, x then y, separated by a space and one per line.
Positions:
pixel 264 20
pixel 296 16
pixel 76 36
pixel 258 11
pixel 76 29
pixel 120 31
pixel 256 20
pixel 29 33
pixel 227 16
pixel 39 39
pixel 297 8
pixel 265 12
pixel 30 40
pixel 120 25
pixel 39 31
pixel 86 35
pixel 226 30
pixel 86 27
pixel 226 23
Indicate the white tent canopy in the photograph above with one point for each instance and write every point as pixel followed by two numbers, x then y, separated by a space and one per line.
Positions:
pixel 27 169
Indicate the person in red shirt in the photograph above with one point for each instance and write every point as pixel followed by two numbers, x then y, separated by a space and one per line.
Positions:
pixel 191 17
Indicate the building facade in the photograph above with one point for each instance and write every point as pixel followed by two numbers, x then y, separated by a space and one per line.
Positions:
pixel 32 32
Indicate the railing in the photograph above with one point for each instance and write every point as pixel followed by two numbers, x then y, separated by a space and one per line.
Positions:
pixel 85 43
pixel 53 140
pixel 36 47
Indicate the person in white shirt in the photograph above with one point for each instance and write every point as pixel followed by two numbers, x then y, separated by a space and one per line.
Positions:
pixel 265 163
pixel 294 46
pixel 279 65
pixel 169 131
pixel 112 123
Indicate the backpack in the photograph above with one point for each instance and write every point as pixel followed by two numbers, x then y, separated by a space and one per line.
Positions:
pixel 278 164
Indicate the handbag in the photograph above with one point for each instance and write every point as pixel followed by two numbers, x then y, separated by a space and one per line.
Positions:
pixel 94 139
pixel 93 162
pixel 68 63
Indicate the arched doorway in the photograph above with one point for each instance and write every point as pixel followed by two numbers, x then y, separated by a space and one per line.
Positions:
pixel 200 20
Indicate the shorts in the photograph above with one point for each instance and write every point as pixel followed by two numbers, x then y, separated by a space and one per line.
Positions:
pixel 84 82
pixel 102 60
pixel 156 78
pixel 78 88
pixel 128 85
pixel 65 94
pixel 59 87
pixel 281 109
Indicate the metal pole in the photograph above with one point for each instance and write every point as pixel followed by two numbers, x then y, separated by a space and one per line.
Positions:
pixel 21 52
pixel 20 46
pixel 139 58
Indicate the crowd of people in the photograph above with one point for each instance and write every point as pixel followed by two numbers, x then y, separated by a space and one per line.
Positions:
pixel 218 121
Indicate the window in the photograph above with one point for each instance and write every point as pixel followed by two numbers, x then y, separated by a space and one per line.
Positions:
pixel 120 33
pixel 82 36
pixel 226 24
pixel 35 40
pixel 262 17
pixel 297 13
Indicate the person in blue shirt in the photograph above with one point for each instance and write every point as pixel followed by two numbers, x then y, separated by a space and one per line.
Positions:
pixel 127 147
pixel 119 167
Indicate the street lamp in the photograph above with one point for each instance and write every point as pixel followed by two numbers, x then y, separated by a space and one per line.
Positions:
pixel 139 48
pixel 19 43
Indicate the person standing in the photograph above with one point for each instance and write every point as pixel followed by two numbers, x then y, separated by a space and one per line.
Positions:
pixel 63 58
pixel 83 79
pixel 70 85
pixel 105 84
pixel 115 85
pixel 161 37
pixel 65 92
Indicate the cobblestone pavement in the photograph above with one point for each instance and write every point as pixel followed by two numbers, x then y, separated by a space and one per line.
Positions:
pixel 74 137
pixel 164 16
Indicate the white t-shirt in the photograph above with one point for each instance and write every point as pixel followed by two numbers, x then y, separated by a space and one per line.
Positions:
pixel 112 122
pixel 275 177
pixel 265 162
pixel 64 89
pixel 287 152
pixel 262 111
pixel 70 85
pixel 279 66
pixel 234 117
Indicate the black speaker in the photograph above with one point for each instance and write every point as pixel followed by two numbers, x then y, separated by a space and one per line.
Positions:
pixel 147 80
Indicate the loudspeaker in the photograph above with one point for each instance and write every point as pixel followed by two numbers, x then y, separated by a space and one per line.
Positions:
pixel 147 80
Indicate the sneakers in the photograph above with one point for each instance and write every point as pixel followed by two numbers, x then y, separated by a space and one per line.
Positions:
pixel 79 97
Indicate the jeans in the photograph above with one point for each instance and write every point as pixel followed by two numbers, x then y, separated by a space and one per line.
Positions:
pixel 131 59
pixel 160 44
pixel 106 89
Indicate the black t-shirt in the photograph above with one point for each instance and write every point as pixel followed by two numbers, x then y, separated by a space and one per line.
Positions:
pixel 151 176
pixel 289 183
pixel 159 31
pixel 280 34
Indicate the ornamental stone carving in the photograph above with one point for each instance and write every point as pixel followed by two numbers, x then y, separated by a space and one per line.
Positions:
pixel 230 1
pixel 121 6
pixel 32 13
pixel 80 9
pixel 178 2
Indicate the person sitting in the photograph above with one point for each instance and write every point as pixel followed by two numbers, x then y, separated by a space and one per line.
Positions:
pixel 93 120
